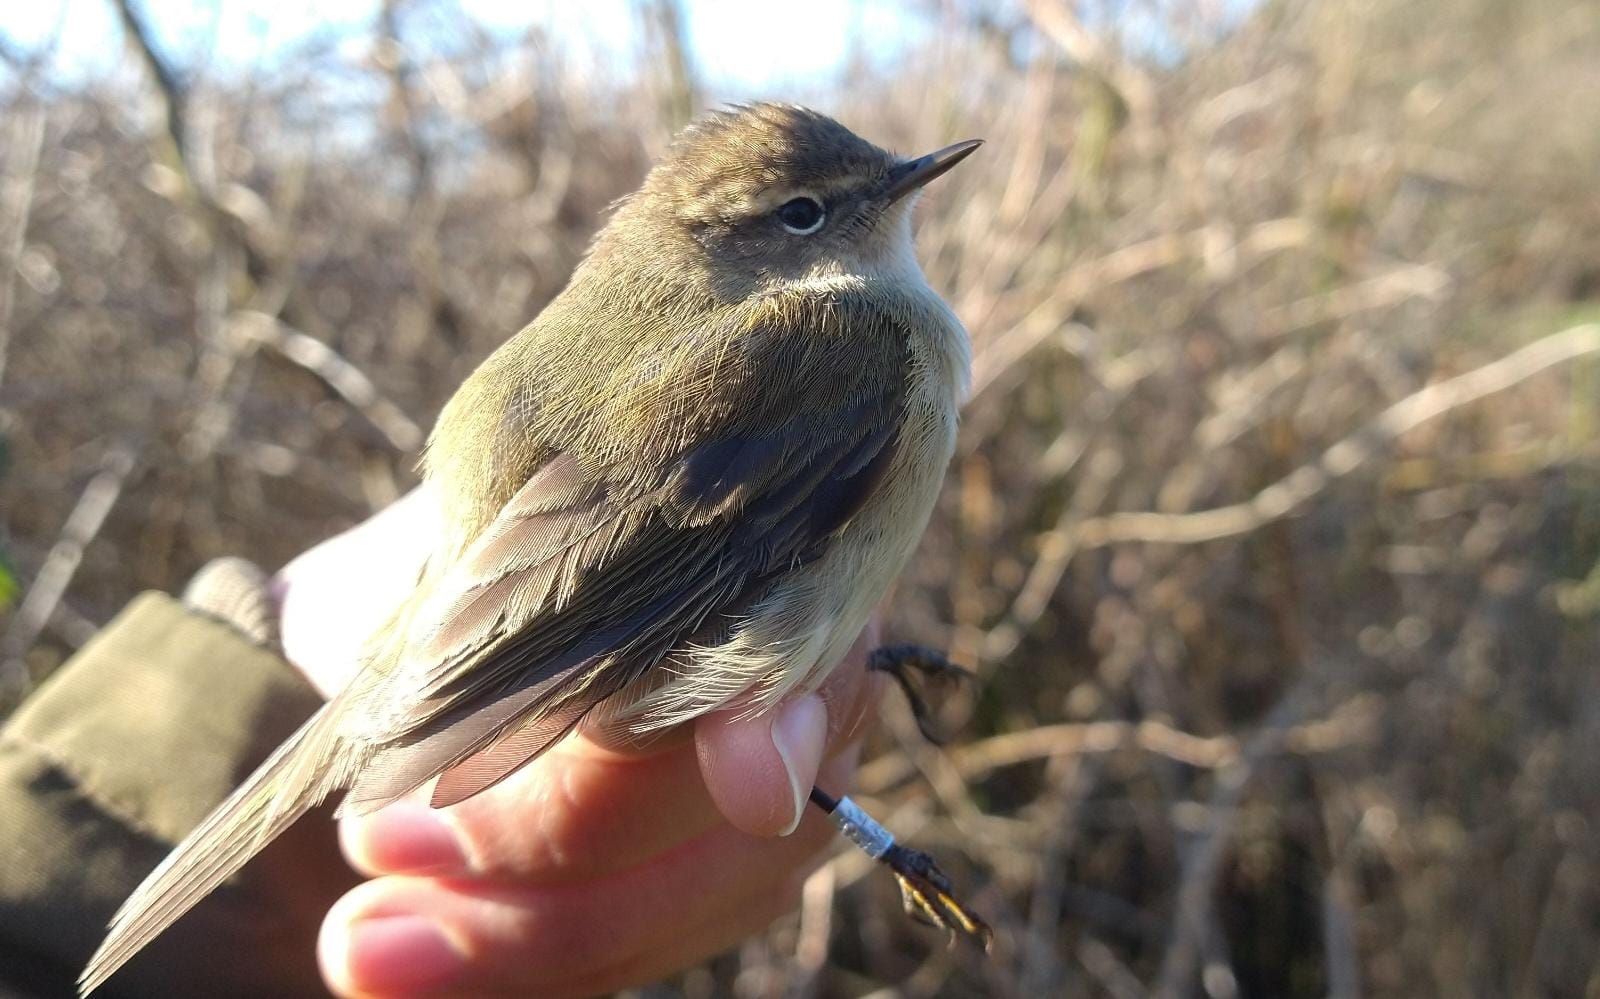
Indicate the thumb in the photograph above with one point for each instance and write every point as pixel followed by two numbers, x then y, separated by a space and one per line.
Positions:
pixel 759 770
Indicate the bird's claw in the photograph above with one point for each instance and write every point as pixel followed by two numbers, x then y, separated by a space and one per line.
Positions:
pixel 928 897
pixel 900 661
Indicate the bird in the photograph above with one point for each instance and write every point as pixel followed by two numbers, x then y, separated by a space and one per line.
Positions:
pixel 681 488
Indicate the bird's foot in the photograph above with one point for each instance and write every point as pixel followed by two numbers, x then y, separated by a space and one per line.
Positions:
pixel 930 666
pixel 925 891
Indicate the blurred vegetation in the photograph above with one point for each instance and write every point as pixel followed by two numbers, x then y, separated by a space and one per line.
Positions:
pixel 1275 527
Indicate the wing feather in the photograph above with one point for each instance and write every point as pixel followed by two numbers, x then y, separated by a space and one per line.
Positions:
pixel 595 570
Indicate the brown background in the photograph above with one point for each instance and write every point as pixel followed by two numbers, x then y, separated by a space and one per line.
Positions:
pixel 1283 585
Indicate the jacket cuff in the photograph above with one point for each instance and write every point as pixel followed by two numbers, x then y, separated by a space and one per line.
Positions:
pixel 114 758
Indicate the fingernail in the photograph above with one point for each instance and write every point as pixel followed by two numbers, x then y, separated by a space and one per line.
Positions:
pixel 798 734
pixel 411 838
pixel 389 953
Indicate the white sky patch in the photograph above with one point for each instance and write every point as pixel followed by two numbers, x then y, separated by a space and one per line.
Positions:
pixel 740 49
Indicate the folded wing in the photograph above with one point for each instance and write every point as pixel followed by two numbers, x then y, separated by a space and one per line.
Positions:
pixel 597 569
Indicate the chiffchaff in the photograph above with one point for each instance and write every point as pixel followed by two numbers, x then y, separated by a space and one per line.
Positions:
pixel 682 488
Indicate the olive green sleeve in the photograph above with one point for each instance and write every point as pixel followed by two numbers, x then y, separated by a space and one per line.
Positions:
pixel 108 764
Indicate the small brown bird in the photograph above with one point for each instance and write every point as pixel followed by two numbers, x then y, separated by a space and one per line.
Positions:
pixel 684 486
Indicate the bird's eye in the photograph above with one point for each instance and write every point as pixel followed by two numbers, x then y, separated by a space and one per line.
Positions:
pixel 801 216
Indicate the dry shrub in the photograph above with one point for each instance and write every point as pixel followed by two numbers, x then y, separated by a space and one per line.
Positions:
pixel 1284 590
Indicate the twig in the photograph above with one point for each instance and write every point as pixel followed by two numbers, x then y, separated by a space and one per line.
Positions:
pixel 225 257
pixel 1058 21
pixel 816 927
pixel 1043 970
pixel 1193 921
pixel 1338 939
pixel 397 64
pixel 171 91
pixel 1242 404
pixel 666 28
pixel 1288 494
pixel 27 141
pixel 72 626
pixel 1046 319
pixel 51 582
pixel 1350 723
pixel 1115 977
pixel 1381 292
pixel 349 381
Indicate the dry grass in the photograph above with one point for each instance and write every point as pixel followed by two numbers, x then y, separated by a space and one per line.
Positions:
pixel 1275 527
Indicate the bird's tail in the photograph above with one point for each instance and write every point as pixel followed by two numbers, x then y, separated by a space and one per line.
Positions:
pixel 295 778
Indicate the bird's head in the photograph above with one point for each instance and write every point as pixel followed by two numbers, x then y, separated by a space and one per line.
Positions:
pixel 764 194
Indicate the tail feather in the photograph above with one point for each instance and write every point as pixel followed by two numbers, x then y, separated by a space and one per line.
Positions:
pixel 294 779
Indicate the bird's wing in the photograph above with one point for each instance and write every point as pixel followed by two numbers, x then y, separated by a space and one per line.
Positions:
pixel 598 567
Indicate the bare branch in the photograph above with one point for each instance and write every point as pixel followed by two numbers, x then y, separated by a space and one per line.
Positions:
pixel 816 926
pixel 1348 724
pixel 17 199
pixel 1048 318
pixel 340 374
pixel 1284 497
pixel 53 578
pixel 1061 24
pixel 1203 860
pixel 172 93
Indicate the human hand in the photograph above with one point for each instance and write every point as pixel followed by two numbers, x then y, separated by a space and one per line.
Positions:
pixel 591 868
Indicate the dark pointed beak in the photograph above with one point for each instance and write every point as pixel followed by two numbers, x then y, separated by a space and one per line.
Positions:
pixel 912 174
